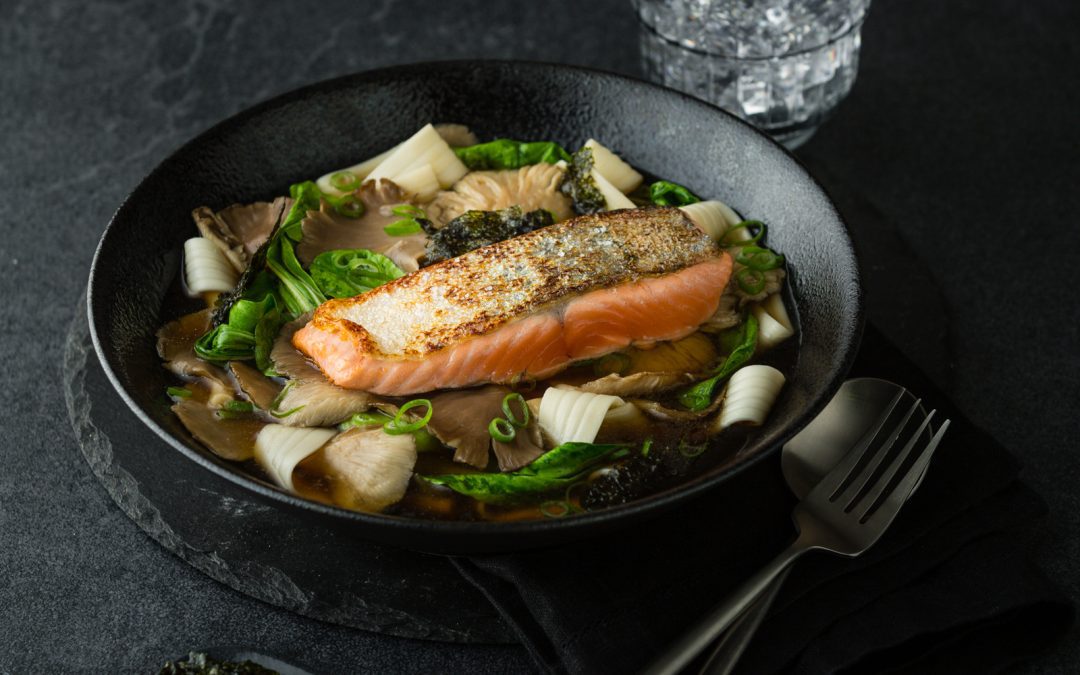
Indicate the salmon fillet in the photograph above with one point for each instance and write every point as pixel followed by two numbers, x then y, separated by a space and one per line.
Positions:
pixel 525 307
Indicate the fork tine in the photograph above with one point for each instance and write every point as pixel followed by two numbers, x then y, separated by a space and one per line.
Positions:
pixel 891 501
pixel 859 484
pixel 874 494
pixel 835 478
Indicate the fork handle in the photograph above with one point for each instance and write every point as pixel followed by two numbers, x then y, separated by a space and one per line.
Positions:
pixel 719 618
pixel 727 650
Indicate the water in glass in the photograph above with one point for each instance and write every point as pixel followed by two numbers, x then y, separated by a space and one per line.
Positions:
pixel 783 65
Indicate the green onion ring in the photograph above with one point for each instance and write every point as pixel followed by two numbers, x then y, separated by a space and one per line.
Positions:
pixel 646 446
pixel 239 406
pixel 746 224
pixel 349 206
pixel 409 211
pixel 523 421
pixel 364 419
pixel 687 450
pixel 751 281
pixel 501 430
pixel 344 181
pixel 396 426
pixel 555 509
pixel 403 227
pixel 758 258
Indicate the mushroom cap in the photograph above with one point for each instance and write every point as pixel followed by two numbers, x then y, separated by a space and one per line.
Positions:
pixel 239 230
pixel 176 347
pixel 317 401
pixel 230 438
pixel 327 230
pixel 371 468
pixel 460 419
pixel 659 368
pixel 530 187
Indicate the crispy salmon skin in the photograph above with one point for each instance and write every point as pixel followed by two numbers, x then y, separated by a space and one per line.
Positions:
pixel 528 306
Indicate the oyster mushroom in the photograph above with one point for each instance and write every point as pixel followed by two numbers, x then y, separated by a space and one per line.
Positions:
pixel 327 230
pixel 288 360
pixel 176 347
pixel 460 419
pixel 727 313
pixel 665 366
pixel 239 230
pixel 666 414
pixel 371 469
pixel 310 400
pixel 530 187
pixel 638 384
pixel 232 438
pixel 260 389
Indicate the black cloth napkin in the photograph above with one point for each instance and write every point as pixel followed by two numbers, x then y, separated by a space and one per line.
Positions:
pixel 948 588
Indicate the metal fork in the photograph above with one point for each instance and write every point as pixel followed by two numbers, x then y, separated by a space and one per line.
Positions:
pixel 845 514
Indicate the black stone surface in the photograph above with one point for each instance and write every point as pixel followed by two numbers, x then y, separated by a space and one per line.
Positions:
pixel 961 131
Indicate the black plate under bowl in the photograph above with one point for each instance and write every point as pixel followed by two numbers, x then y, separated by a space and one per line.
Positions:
pixel 258 153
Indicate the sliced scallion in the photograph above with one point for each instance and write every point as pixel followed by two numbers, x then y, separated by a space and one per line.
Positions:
pixel 501 430
pixel 751 281
pixel 523 420
pixel 398 425
pixel 349 206
pixel 178 392
pixel 744 225
pixel 691 450
pixel 410 220
pixel 403 227
pixel 758 258
pixel 408 211
pixel 365 419
pixel 239 406
pixel 345 181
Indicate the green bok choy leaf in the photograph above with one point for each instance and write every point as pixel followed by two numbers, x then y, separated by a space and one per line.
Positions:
pixel 744 338
pixel 505 153
pixel 560 467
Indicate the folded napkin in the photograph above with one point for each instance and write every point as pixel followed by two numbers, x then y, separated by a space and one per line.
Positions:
pixel 947 588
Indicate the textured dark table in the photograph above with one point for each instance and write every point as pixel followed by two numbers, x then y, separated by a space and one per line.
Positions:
pixel 962 132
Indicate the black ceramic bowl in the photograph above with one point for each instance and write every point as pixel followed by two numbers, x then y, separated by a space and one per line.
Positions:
pixel 258 153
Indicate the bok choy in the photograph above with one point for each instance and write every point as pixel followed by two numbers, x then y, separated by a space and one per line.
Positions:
pixel 344 273
pixel 560 467
pixel 744 341
pixel 505 153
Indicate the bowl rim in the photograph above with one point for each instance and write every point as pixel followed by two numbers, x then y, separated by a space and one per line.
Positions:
pixel 647 506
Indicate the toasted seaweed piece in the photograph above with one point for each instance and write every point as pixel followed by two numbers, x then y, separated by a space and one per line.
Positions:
pixel 198 663
pixel 256 265
pixel 474 229
pixel 579 185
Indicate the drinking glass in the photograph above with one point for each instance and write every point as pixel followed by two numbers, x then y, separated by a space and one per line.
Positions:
pixel 782 65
